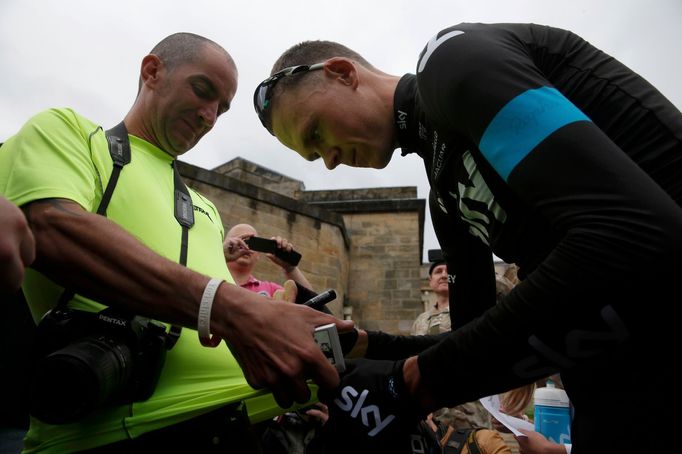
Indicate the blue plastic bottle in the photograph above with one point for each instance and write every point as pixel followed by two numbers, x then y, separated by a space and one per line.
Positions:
pixel 552 413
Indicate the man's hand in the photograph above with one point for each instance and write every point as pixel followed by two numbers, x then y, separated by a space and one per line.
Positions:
pixel 319 412
pixel 371 407
pixel 290 271
pixel 285 245
pixel 535 443
pixel 287 293
pixel 17 246
pixel 274 342
pixel 234 247
pixel 429 421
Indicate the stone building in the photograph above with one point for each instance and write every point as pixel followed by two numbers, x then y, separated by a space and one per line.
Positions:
pixel 364 243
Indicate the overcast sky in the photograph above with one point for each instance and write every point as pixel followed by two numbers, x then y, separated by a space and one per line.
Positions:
pixel 86 55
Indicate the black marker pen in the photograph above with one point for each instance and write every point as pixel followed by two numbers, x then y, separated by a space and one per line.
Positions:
pixel 318 301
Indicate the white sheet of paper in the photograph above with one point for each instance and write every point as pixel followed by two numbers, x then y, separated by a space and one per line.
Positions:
pixel 492 404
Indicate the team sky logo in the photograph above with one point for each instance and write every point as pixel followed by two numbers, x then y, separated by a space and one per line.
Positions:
pixel 402 119
pixel 578 345
pixel 346 403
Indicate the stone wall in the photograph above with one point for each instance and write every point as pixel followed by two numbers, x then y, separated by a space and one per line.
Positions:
pixel 386 230
pixel 252 173
pixel 384 287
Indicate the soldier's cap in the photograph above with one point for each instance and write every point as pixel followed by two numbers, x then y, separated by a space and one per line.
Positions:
pixel 436 258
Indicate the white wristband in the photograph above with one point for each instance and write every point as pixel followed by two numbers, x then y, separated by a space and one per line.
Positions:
pixel 204 319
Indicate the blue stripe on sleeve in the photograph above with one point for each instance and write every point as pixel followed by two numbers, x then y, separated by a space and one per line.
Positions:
pixel 523 123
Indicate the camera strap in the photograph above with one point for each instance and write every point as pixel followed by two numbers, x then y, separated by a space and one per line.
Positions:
pixel 119 149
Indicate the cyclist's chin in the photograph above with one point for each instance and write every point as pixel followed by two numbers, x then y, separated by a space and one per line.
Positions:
pixel 382 158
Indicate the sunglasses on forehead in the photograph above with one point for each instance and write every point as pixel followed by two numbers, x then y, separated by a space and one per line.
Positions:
pixel 263 93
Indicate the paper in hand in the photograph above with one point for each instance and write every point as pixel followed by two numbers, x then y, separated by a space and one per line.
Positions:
pixel 492 404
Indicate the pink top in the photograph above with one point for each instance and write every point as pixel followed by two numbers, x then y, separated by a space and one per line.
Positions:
pixel 265 288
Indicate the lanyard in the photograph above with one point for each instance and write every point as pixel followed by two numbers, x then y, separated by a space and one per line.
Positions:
pixel 119 149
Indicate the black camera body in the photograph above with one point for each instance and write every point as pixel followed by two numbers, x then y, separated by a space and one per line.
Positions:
pixel 86 360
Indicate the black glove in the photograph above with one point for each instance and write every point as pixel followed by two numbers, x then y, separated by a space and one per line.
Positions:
pixel 348 340
pixel 370 411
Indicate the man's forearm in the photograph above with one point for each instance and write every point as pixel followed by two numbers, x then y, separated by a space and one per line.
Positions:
pixel 17 248
pixel 382 345
pixel 296 275
pixel 418 393
pixel 97 258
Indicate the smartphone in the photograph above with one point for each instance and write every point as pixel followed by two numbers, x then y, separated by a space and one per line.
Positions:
pixel 270 246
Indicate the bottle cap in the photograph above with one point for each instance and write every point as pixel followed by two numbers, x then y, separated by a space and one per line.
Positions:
pixel 551 396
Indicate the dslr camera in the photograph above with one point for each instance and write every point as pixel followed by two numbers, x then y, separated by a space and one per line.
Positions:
pixel 86 360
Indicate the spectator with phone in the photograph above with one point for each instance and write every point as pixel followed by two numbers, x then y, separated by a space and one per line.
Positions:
pixel 241 260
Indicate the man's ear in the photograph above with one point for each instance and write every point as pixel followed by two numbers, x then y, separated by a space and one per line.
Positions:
pixel 150 70
pixel 342 69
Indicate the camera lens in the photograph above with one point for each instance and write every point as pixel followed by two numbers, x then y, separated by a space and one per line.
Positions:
pixel 71 382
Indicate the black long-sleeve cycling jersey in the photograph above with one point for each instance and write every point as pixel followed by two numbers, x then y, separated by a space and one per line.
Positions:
pixel 552 155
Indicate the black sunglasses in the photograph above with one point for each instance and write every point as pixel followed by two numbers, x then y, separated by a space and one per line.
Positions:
pixel 263 93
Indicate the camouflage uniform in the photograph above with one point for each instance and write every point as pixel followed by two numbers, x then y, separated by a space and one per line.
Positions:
pixel 432 321
pixel 471 414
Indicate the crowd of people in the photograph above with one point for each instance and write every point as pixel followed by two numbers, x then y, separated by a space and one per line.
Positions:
pixel 539 148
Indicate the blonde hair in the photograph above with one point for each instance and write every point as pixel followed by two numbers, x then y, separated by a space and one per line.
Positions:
pixel 515 402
